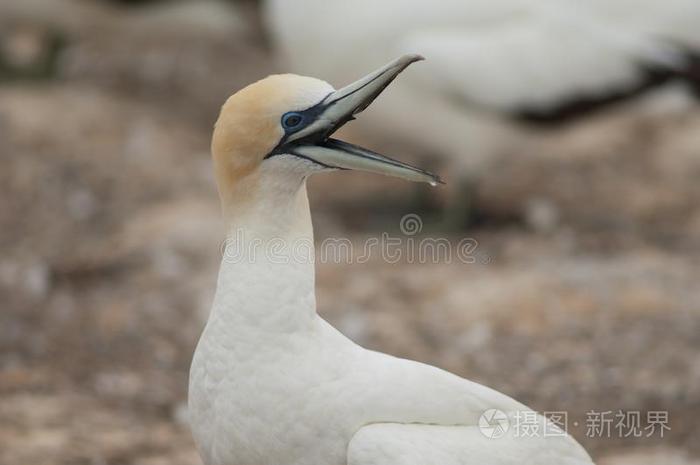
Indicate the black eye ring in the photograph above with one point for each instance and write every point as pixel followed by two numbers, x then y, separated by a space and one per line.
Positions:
pixel 292 120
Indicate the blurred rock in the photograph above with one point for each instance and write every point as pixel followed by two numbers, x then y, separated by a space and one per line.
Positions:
pixel 29 52
pixel 189 18
pixel 174 20
pixel 541 215
pixel 632 169
pixel 197 50
pixel 659 456
pixel 65 427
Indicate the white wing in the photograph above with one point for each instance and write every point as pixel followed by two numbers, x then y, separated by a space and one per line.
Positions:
pixel 418 414
pixel 401 444
pixel 537 60
pixel 500 54
pixel 672 20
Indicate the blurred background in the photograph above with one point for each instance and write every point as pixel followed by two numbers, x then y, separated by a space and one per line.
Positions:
pixel 568 133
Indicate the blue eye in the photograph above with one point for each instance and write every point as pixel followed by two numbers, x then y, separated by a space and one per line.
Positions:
pixel 292 120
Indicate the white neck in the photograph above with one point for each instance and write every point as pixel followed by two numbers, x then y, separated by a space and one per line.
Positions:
pixel 266 281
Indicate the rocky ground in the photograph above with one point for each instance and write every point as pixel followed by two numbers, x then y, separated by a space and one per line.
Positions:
pixel 580 293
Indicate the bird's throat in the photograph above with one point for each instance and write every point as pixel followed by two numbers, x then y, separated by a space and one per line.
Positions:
pixel 266 279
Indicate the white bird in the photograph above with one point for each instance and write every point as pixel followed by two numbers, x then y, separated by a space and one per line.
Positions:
pixel 271 382
pixel 489 58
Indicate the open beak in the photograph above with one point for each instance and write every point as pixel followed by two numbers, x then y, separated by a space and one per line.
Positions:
pixel 314 142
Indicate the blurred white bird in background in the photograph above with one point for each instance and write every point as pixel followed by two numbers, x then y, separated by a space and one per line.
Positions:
pixel 490 60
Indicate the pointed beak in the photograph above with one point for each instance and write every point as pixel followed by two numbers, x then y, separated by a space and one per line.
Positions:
pixel 313 141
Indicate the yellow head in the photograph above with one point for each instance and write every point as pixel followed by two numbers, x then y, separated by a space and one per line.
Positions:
pixel 249 127
pixel 280 126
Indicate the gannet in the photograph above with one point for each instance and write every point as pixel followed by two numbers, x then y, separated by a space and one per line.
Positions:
pixel 271 382
pixel 491 60
pixel 501 55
